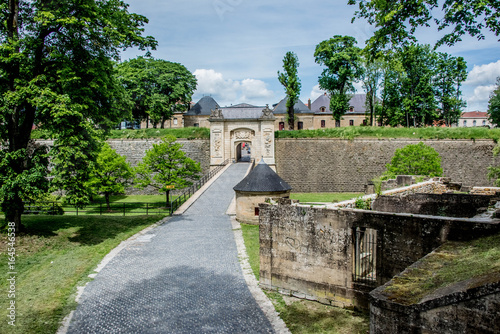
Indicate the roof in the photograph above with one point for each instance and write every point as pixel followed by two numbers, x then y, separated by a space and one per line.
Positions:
pixel 299 107
pixel 203 107
pixel 242 112
pixel 262 179
pixel 244 105
pixel 357 101
pixel 475 114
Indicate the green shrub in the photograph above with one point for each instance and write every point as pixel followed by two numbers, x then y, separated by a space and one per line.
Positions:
pixel 415 159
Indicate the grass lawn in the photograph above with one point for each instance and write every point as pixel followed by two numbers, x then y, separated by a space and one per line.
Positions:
pixel 324 197
pixel 54 257
pixel 303 316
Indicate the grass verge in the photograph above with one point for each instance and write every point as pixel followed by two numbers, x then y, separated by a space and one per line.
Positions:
pixel 324 197
pixel 54 257
pixel 303 316
pixel 453 262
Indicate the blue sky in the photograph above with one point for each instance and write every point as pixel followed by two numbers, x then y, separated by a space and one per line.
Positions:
pixel 236 47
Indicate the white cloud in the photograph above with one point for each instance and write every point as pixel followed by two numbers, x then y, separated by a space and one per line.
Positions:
pixel 227 91
pixel 482 93
pixel 316 92
pixel 483 74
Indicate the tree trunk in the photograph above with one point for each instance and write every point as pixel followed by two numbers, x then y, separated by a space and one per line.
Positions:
pixel 106 196
pixel 291 119
pixel 13 213
pixel 167 203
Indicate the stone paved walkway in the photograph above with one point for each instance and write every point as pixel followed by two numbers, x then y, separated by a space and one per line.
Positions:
pixel 181 277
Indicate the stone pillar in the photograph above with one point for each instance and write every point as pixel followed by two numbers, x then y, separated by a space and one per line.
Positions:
pixel 267 137
pixel 217 138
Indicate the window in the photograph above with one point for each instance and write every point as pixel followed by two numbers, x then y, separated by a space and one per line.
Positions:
pixel 175 121
pixel 282 126
pixel 337 124
pixel 300 125
pixel 465 123
pixel 484 123
pixel 351 122
pixel 365 254
pixel 474 123
pixel 256 210
pixel 322 109
pixel 323 123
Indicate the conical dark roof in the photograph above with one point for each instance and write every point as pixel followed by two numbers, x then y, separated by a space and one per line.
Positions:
pixel 262 179
pixel 203 107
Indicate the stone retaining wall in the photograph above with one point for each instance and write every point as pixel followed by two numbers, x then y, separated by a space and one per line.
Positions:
pixel 337 165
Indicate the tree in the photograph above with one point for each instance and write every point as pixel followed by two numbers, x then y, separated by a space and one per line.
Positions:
pixel 342 60
pixel 415 159
pixel 371 80
pixel 156 87
pixel 290 80
pixel 494 105
pixel 166 166
pixel 397 20
pixel 111 173
pixel 450 73
pixel 56 71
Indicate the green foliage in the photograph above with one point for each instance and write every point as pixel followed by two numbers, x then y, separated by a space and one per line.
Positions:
pixel 185 133
pixel 251 240
pixel 156 87
pixel 111 173
pixel 56 71
pixel 415 159
pixel 494 105
pixel 352 132
pixel 54 257
pixel 342 60
pixel 290 80
pixel 397 21
pixel 166 165
pixel 363 204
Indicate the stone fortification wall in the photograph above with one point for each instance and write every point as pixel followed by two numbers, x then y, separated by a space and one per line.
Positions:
pixel 337 165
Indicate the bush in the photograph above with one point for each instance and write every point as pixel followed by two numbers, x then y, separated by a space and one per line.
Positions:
pixel 414 159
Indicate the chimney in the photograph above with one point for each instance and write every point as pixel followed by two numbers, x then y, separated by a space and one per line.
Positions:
pixel 309 104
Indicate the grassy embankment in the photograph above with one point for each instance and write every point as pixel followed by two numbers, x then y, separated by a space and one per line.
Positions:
pixel 54 257
pixel 477 262
pixel 324 197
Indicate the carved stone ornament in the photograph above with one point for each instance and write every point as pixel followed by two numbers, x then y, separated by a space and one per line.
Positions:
pixel 243 134
pixel 267 113
pixel 268 143
pixel 217 113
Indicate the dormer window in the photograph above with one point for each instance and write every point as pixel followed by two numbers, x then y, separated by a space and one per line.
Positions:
pixel 351 109
pixel 322 109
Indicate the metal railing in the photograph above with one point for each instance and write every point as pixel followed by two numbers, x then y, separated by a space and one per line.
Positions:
pixel 183 196
pixel 365 255
pixel 127 208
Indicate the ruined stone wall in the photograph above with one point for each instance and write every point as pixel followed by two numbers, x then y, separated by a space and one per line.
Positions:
pixel 308 252
pixel 469 310
pixel 336 165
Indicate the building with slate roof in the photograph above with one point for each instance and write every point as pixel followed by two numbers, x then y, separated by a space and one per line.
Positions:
pixel 262 182
pixel 474 118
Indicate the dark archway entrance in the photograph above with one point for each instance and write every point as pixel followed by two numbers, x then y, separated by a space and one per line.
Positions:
pixel 243 152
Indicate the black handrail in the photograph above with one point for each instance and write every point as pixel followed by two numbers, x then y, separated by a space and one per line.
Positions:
pixel 175 204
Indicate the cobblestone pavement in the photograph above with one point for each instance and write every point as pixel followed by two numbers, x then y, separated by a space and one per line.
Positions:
pixel 181 277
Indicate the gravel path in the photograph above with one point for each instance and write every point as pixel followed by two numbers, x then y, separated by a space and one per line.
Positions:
pixel 180 277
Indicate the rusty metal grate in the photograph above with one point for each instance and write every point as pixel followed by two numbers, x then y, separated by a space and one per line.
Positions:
pixel 365 255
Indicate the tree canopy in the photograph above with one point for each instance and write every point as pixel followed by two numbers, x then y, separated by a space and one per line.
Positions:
pixel 342 60
pixel 156 87
pixel 166 166
pixel 290 80
pixel 56 72
pixel 415 159
pixel 494 105
pixel 397 21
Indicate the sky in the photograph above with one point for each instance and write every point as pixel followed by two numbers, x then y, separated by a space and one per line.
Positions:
pixel 235 48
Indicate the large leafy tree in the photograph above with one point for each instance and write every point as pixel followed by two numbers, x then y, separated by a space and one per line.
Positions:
pixel 371 80
pixel 56 71
pixel 397 21
pixel 419 103
pixel 341 58
pixel 450 73
pixel 494 105
pixel 166 166
pixel 290 80
pixel 156 87
pixel 110 174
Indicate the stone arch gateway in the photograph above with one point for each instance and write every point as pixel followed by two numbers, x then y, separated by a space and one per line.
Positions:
pixel 229 129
